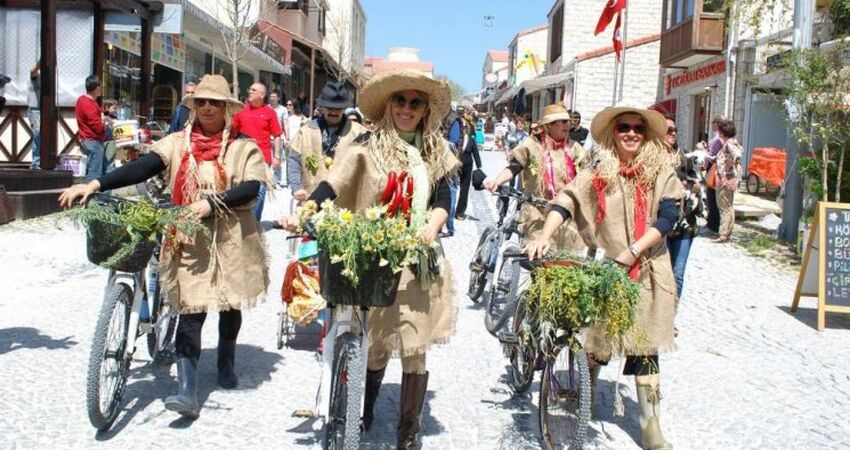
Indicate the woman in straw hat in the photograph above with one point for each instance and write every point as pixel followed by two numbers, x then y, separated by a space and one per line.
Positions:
pixel 628 203
pixel 217 177
pixel 547 163
pixel 407 108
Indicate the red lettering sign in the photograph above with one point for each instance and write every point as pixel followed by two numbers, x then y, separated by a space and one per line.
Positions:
pixel 692 76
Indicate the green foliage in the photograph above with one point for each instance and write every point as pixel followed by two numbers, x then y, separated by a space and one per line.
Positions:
pixel 570 298
pixel 759 244
pixel 839 12
pixel 457 89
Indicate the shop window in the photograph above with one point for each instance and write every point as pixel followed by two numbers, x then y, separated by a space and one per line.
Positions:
pixel 702 118
pixel 556 29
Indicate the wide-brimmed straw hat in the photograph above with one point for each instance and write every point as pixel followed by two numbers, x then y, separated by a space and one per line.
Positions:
pixel 377 91
pixel 554 112
pixel 656 123
pixel 212 87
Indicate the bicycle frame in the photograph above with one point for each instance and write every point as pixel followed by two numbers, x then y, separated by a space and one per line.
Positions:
pixel 343 319
pixel 136 283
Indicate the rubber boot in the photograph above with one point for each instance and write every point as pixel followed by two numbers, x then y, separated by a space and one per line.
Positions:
pixel 186 401
pixel 373 386
pixel 413 388
pixel 649 400
pixel 226 356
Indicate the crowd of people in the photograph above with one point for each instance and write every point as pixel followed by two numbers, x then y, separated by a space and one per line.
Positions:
pixel 629 190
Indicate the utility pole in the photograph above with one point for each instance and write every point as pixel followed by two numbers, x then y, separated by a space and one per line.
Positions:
pixel 792 204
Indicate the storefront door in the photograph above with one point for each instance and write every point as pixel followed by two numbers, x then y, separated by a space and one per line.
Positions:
pixel 702 118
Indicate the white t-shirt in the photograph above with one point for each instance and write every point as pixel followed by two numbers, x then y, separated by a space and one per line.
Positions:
pixel 294 124
pixel 282 115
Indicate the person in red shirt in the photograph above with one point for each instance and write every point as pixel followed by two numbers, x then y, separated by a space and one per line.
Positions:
pixel 259 121
pixel 91 131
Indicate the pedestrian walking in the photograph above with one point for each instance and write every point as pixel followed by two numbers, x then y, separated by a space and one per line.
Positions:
pixel 315 148
pixel 470 159
pixel 181 114
pixel 728 175
pixel 578 133
pixel 453 126
pixel 546 166
pixel 259 121
pixel 680 238
pixel 91 130
pixel 713 219
pixel 34 114
pixel 407 107
pixel 282 114
pixel 216 175
pixel 631 187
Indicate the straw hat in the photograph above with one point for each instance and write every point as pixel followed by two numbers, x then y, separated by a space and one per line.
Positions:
pixel 212 87
pixel 655 122
pixel 377 91
pixel 554 112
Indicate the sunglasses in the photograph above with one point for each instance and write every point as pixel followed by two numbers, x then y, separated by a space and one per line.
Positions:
pixel 201 102
pixel 415 104
pixel 624 127
pixel 671 130
pixel 289 104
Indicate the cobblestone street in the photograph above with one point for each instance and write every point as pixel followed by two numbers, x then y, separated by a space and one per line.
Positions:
pixel 747 374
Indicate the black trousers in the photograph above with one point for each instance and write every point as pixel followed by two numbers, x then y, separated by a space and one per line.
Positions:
pixel 713 211
pixel 188 340
pixel 641 365
pixel 465 181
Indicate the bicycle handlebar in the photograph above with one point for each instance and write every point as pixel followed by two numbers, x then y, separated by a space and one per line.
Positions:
pixel 509 191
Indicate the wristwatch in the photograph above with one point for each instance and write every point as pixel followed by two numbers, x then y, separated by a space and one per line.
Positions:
pixel 634 251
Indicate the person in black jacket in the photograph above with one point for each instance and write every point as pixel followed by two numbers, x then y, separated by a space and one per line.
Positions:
pixel 468 154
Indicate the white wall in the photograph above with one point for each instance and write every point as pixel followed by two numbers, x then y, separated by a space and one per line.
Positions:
pixel 536 43
pixel 345 38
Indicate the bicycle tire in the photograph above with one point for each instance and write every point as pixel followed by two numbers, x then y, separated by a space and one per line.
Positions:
pixel 575 416
pixel 753 184
pixel 523 353
pixel 501 303
pixel 478 277
pixel 342 426
pixel 116 305
pixel 155 350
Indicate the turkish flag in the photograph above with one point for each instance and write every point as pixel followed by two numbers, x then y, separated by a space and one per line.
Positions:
pixel 612 8
pixel 618 36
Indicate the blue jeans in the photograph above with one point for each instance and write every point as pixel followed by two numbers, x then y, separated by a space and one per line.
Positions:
pixel 453 186
pixel 261 200
pixel 96 165
pixel 34 116
pixel 680 248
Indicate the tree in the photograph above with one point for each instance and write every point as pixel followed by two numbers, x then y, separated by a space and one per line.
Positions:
pixel 338 32
pixel 236 35
pixel 457 89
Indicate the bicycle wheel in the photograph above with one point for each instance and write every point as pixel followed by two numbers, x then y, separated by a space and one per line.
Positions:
pixel 478 267
pixel 565 400
pixel 107 373
pixel 502 301
pixel 524 352
pixel 753 184
pixel 342 426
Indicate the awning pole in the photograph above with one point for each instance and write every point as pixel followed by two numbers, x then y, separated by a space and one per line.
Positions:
pixel 312 77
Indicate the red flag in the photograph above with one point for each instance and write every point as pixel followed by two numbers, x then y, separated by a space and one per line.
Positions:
pixel 618 36
pixel 612 8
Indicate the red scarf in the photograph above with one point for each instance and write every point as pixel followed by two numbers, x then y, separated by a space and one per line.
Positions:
pixel 641 210
pixel 204 148
pixel 549 163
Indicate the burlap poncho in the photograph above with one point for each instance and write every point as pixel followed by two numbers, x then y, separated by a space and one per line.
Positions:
pixel 654 328
pixel 308 144
pixel 228 271
pixel 419 317
pixel 530 154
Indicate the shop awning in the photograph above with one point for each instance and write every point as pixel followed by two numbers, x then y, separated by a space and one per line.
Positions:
pixel 207 30
pixel 546 82
pixel 507 95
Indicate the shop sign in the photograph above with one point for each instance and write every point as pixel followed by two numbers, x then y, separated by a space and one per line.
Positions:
pixel 692 76
pixel 166 49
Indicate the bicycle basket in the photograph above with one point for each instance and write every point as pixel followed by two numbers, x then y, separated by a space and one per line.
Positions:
pixel 378 286
pixel 103 240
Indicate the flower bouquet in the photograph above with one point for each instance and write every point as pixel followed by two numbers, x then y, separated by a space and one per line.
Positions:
pixel 571 294
pixel 122 234
pixel 361 255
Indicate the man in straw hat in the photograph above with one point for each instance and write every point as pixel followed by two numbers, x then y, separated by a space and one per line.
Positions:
pixel 407 108
pixel 627 203
pixel 546 165
pixel 315 146
pixel 215 176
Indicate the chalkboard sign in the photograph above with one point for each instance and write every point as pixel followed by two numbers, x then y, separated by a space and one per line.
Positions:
pixel 829 248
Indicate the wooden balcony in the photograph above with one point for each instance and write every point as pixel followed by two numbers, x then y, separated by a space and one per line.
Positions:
pixel 696 39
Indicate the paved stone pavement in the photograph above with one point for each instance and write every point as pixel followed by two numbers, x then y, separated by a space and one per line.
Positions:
pixel 748 375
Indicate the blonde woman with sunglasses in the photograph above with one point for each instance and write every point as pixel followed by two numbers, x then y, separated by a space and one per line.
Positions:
pixel 626 204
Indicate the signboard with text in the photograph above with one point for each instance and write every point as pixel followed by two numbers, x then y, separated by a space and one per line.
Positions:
pixel 825 272
pixel 687 77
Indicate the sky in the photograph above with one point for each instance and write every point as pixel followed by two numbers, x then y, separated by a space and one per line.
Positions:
pixel 449 33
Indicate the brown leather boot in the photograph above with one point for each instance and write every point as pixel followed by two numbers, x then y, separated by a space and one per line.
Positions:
pixel 413 388
pixel 373 386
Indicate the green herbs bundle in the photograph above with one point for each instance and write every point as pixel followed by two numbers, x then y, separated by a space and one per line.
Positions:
pixel 571 297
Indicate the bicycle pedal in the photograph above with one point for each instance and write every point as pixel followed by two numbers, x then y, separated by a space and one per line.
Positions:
pixel 305 413
pixel 509 338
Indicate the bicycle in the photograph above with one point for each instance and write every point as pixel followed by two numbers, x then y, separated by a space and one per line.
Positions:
pixel 501 304
pixel 133 306
pixel 484 259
